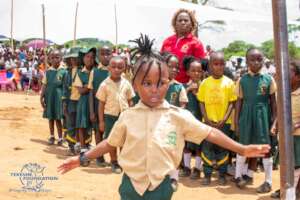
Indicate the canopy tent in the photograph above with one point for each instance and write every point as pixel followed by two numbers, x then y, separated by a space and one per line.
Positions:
pixel 96 18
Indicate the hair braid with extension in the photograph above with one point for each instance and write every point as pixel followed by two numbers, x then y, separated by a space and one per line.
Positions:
pixel 147 57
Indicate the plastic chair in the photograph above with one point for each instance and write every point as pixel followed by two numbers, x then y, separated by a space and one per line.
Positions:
pixel 4 81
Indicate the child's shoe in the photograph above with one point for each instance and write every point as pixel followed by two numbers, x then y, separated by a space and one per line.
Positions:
pixel 206 180
pixel 77 148
pixel 185 172
pixel 248 179
pixel 276 194
pixel 195 174
pixel 116 168
pixel 100 162
pixel 222 179
pixel 174 184
pixel 51 140
pixel 240 182
pixel 264 188
pixel 60 142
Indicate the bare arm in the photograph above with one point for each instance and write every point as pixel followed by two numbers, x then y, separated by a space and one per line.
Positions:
pixel 73 162
pixel 218 138
pixel 91 106
pixel 130 103
pixel 204 114
pixel 227 115
pixel 101 116
pixel 42 97
pixel 83 90
pixel 183 104
pixel 238 106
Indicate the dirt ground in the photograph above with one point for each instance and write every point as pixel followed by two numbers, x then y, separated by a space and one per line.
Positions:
pixel 23 135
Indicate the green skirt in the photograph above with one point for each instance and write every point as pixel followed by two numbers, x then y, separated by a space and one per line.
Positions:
pixel 109 121
pixel 53 100
pixel 83 113
pixel 297 150
pixel 163 192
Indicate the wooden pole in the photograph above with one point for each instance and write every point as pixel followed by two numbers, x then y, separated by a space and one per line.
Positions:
pixel 11 26
pixel 116 26
pixel 44 37
pixel 286 150
pixel 75 25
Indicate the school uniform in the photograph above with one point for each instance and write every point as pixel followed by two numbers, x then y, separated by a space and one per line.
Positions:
pixel 216 94
pixel 97 76
pixel 152 141
pixel 176 93
pixel 194 108
pixel 255 118
pixel 53 93
pixel 116 96
pixel 71 96
pixel 295 96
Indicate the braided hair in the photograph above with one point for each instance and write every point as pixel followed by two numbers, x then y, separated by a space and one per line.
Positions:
pixel 188 60
pixel 145 56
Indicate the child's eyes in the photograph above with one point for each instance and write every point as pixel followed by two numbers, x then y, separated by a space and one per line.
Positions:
pixel 146 84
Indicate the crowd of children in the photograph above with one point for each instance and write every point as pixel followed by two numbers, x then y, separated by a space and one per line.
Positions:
pixel 93 95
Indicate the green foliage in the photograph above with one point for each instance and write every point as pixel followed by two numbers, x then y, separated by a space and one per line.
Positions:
pixel 89 42
pixel 239 48
pixel 236 48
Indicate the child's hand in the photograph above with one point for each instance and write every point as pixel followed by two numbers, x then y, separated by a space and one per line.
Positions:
pixel 274 129
pixel 69 164
pixel 93 117
pixel 43 103
pixel 102 127
pixel 220 124
pixel 256 150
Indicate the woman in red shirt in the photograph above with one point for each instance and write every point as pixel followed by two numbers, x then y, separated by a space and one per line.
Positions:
pixel 183 42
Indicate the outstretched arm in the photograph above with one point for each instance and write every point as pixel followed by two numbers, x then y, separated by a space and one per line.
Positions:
pixel 73 162
pixel 219 138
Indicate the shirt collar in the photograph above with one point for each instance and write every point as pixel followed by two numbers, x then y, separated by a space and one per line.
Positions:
pixel 51 68
pixel 296 92
pixel 141 105
pixel 84 69
pixel 252 74
pixel 173 81
pixel 101 66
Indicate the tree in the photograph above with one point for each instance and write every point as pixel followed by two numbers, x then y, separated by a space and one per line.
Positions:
pixel 236 48
pixel 268 49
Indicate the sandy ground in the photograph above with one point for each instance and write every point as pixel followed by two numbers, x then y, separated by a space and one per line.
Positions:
pixel 23 135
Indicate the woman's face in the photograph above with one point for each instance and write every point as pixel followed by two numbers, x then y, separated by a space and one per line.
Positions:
pixel 183 23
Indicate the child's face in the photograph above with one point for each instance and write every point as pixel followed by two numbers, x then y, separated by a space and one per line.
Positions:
pixel 195 71
pixel 105 55
pixel 152 89
pixel 89 59
pixel 116 68
pixel 217 65
pixel 173 66
pixel 55 59
pixel 74 62
pixel 294 79
pixel 255 60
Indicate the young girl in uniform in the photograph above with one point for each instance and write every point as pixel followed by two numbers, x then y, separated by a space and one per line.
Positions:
pixel 81 82
pixel 51 96
pixel 194 71
pixel 71 97
pixel 97 76
pixel 152 134
pixel 255 109
pixel 295 97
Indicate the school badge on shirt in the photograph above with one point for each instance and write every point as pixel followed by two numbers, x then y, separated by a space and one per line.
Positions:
pixel 171 138
pixel 263 89
pixel 174 97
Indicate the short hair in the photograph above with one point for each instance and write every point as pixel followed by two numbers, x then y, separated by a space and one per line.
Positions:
pixel 194 21
pixel 187 60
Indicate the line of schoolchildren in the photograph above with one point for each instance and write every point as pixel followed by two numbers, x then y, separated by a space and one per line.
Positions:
pixel 94 95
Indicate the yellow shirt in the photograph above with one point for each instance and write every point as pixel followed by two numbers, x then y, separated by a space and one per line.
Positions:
pixel 75 95
pixel 91 78
pixel 216 94
pixel 239 92
pixel 115 95
pixel 296 109
pixel 152 141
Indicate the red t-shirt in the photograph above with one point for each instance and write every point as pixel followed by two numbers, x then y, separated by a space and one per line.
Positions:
pixel 181 47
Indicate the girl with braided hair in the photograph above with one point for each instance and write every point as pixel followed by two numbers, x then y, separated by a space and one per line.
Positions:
pixel 153 132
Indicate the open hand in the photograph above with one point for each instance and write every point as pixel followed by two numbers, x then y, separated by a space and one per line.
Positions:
pixel 256 150
pixel 69 164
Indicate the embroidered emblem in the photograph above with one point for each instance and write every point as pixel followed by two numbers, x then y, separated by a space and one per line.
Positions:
pixel 172 138
pixel 263 89
pixel 174 97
